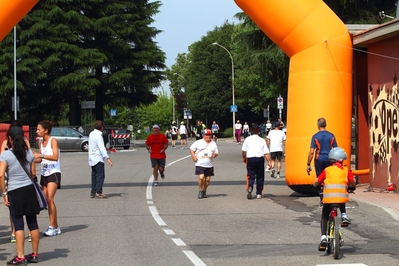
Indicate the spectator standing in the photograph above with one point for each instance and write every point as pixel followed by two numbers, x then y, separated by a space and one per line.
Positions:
pixel 198 130
pixel 203 152
pixel 156 145
pixel 238 128
pixel 245 128
pixel 173 130
pixel 97 155
pixel 215 130
pixel 336 179
pixel 6 145
pixel 20 196
pixel 276 141
pixel 50 179
pixel 183 135
pixel 254 152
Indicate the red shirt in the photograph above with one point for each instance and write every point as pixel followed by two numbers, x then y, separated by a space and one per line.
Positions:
pixel 157 143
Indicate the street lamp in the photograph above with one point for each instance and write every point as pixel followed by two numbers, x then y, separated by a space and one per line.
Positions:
pixel 177 74
pixel 232 80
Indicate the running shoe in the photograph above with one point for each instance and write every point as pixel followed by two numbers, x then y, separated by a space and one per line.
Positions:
pixel 29 238
pixel 17 261
pixel 162 175
pixel 51 231
pixel 156 183
pixel 258 196
pixel 204 194
pixel 278 175
pixel 33 258
pixel 13 239
pixel 100 196
pixel 200 194
pixel 57 231
pixel 272 175
pixel 249 195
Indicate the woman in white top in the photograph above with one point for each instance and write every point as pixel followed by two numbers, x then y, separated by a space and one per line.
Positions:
pixel 51 172
pixel 237 128
pixel 183 135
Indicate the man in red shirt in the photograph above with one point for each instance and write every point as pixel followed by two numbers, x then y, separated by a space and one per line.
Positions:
pixel 156 145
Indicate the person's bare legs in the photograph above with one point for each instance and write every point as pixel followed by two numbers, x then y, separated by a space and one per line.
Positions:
pixel 35 240
pixel 155 172
pixel 20 237
pixel 50 191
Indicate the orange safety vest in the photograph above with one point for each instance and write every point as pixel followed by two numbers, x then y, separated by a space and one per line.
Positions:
pixel 335 185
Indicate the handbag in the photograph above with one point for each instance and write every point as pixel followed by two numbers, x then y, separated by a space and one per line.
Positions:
pixel 41 199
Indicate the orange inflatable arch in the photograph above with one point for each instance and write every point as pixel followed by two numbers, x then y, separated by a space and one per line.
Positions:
pixel 320 75
pixel 11 12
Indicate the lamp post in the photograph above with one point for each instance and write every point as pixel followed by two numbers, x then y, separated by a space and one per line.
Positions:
pixel 232 81
pixel 177 74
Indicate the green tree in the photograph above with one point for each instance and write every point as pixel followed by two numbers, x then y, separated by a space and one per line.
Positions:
pixel 73 51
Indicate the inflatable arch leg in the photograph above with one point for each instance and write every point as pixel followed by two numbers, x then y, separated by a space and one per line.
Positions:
pixel 320 75
pixel 11 12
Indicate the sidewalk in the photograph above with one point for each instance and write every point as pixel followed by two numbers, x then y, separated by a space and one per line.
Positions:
pixel 389 201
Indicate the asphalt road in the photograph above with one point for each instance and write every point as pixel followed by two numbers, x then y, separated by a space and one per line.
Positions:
pixel 168 225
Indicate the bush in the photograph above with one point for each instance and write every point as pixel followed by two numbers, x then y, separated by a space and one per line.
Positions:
pixel 228 133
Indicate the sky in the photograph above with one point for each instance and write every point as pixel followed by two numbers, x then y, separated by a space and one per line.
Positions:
pixel 184 22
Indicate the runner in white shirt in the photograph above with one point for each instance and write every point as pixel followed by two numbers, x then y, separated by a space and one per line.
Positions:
pixel 183 135
pixel 276 140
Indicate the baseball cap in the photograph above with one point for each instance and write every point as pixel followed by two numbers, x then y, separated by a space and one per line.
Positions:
pixel 255 128
pixel 207 131
pixel 277 124
pixel 155 126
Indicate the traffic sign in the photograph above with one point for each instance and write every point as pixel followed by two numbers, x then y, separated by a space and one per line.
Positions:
pixel 112 112
pixel 233 108
pixel 280 102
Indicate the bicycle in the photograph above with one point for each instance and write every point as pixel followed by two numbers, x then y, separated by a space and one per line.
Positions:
pixel 334 234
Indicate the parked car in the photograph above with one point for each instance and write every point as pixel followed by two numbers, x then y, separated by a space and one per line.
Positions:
pixel 70 139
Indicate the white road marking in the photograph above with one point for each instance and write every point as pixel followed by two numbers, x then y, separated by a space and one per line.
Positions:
pixel 350 264
pixel 156 216
pixel 178 241
pixel 194 258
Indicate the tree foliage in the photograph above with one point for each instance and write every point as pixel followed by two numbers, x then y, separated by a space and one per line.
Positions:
pixel 74 51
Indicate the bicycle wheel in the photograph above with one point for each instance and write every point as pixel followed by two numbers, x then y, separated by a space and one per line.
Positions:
pixel 330 235
pixel 335 239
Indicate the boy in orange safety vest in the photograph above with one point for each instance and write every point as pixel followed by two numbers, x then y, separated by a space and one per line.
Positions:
pixel 336 179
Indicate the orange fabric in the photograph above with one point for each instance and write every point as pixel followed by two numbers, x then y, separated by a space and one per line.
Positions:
pixel 11 12
pixel 320 74
pixel 335 185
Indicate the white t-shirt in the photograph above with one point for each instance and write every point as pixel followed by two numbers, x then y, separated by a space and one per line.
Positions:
pixel 182 129
pixel 204 151
pixel 174 129
pixel 255 146
pixel 238 126
pixel 246 128
pixel 277 138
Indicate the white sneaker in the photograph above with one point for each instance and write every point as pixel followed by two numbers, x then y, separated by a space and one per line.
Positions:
pixel 57 231
pixel 52 231
pixel 278 176
pixel 258 196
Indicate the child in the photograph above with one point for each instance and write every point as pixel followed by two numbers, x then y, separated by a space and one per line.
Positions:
pixel 336 179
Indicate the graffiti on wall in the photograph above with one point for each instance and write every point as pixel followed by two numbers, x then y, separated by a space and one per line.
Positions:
pixel 384 129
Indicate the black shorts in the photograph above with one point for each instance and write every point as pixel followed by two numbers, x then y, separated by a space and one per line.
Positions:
pixel 56 178
pixel 276 155
pixel 199 170
pixel 159 162
pixel 174 136
pixel 183 136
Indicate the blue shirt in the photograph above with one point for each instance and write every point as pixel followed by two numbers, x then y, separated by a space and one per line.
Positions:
pixel 97 151
pixel 323 141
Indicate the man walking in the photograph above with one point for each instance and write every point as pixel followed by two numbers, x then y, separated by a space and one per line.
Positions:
pixel 254 152
pixel 97 155
pixel 276 140
pixel 202 152
pixel 156 145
